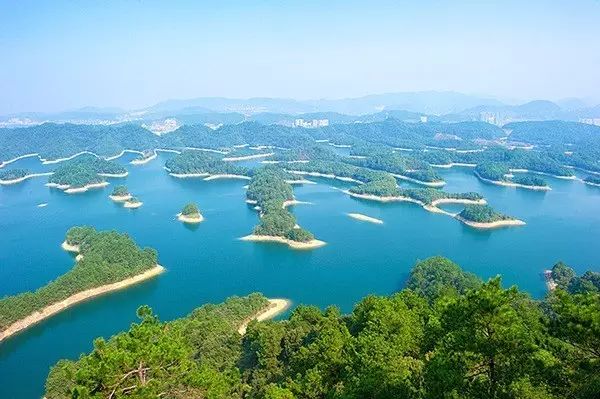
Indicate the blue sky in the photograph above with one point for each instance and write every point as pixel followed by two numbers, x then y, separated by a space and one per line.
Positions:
pixel 67 54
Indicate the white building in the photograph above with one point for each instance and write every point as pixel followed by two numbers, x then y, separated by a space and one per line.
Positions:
pixel 315 123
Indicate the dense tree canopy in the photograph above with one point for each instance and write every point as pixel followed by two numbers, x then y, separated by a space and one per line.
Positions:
pixel 447 335
pixel 83 170
pixel 107 257
pixel 482 214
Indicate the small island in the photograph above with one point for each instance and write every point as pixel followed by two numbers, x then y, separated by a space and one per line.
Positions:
pixel 107 261
pixel 270 193
pixel 190 214
pixel 83 173
pixel 485 217
pixel 120 194
pixel 133 203
pixel 365 218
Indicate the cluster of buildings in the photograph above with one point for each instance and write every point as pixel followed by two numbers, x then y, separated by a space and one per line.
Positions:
pixel 591 121
pixel 311 124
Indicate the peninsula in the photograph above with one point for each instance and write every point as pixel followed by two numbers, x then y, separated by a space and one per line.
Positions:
pixel 83 173
pixel 109 261
pixel 14 176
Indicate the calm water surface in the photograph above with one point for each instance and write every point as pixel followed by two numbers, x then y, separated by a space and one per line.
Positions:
pixel 206 263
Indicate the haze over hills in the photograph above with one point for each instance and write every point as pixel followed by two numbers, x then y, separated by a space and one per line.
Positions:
pixel 407 106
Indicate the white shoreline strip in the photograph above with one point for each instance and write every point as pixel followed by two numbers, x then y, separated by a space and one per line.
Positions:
pixel 74 299
pixel 20 179
pixel 276 307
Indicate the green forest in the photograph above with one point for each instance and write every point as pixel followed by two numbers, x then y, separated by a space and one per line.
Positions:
pixel 84 170
pixel 120 191
pixel 269 189
pixel 447 334
pixel 190 209
pixel 193 161
pixel 482 214
pixel 108 257
pixel 11 174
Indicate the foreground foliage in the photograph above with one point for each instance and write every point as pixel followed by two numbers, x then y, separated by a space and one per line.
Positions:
pixel 447 335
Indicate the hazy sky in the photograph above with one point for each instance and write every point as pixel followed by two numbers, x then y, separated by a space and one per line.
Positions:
pixel 57 55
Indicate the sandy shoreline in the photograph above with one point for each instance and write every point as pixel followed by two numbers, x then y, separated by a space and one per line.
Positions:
pixel 20 179
pixel 292 244
pixel 294 202
pixel 74 299
pixel 325 175
pixel 453 164
pixel 573 177
pixel 4 163
pixel 439 183
pixel 591 184
pixel 365 218
pixel 120 198
pixel 132 205
pixel 116 175
pixel 511 184
pixel 84 188
pixel 69 248
pixel 144 160
pixel 190 219
pixel 53 161
pixel 491 225
pixel 301 181
pixel 248 157
pixel 226 176
pixel 188 175
pixel 276 306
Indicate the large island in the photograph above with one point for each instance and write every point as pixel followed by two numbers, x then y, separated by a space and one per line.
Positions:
pixel 107 261
pixel 485 217
pixel 270 192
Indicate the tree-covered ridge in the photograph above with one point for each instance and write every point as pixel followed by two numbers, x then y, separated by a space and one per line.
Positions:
pixel 107 257
pixel 396 163
pixel 120 191
pixel 566 279
pixel 84 170
pixel 12 174
pixel 448 335
pixel 190 209
pixel 482 214
pixel 53 141
pixel 269 189
pixel 203 162
pixel 186 358
pixel 497 171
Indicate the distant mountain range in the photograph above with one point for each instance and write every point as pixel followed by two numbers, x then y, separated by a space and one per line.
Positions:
pixel 409 106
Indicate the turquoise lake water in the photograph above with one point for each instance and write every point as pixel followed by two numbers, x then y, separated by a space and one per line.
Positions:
pixel 207 263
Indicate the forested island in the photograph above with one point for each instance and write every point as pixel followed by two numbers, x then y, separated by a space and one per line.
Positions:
pixel 107 261
pixel 190 214
pixel 120 194
pixel 447 334
pixel 500 174
pixel 84 172
pixel 196 163
pixel 271 194
pixel 485 217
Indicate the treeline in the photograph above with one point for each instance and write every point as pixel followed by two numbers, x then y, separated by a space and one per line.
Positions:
pixel 194 161
pixel 499 171
pixel 269 189
pixel 566 279
pixel 190 209
pixel 107 257
pixel 447 335
pixel 84 170
pixel 11 174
